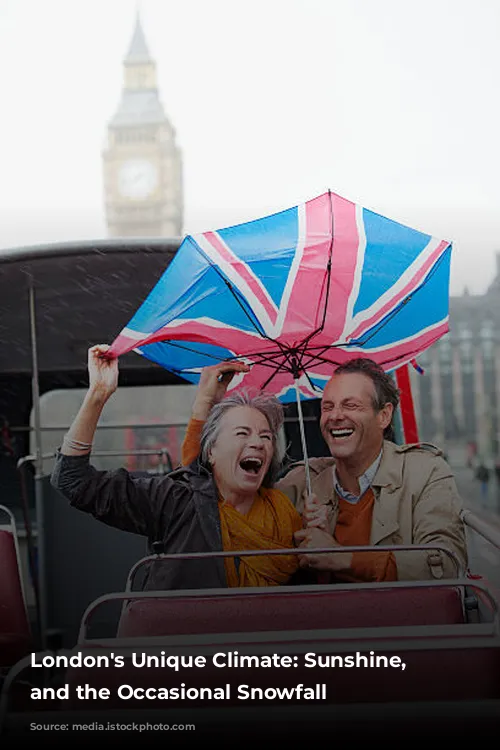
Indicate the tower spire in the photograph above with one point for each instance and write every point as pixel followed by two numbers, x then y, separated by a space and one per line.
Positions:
pixel 138 51
pixel 142 162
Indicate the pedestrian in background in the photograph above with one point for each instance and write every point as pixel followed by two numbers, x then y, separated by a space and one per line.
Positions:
pixel 483 475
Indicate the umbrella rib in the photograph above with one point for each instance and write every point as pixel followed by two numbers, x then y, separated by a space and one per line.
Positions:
pixel 328 277
pixel 265 359
pixel 382 323
pixel 319 360
pixel 313 385
pixel 231 289
pixel 403 302
pixel 236 297
pixel 322 349
pixel 273 362
pixel 320 328
pixel 268 358
pixel 329 265
pixel 276 367
pixel 319 357
pixel 279 368
pixel 406 356
pixel 222 359
pixel 194 351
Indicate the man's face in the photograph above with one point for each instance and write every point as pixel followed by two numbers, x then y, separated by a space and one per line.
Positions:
pixel 349 422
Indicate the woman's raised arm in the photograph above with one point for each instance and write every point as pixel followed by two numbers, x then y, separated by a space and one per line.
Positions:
pixel 103 382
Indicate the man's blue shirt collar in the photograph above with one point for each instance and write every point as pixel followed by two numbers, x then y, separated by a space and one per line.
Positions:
pixel 364 482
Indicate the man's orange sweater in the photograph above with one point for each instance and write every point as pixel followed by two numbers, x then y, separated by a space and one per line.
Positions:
pixel 353 528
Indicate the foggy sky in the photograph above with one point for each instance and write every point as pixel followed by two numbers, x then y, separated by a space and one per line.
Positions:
pixel 391 104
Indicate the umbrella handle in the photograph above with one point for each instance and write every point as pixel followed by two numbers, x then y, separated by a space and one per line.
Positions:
pixel 303 438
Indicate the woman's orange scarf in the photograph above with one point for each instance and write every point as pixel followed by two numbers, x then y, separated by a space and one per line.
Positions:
pixel 269 524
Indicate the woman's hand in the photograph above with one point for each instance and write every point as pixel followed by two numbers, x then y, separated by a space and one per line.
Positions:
pixel 103 372
pixel 318 539
pixel 214 381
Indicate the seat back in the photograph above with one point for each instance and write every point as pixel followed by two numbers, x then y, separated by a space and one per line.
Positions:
pixel 324 609
pixel 15 631
pixel 434 670
pixel 301 622
pixel 83 559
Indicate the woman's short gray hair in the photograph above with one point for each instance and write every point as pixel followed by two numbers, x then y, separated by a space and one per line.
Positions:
pixel 268 405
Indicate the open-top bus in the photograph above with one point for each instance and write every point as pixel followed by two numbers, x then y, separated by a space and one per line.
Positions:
pixel 71 586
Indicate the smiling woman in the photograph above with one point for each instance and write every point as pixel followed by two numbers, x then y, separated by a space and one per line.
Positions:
pixel 244 455
pixel 223 502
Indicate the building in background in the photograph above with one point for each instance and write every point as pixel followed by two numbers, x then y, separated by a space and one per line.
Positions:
pixel 142 164
pixel 458 398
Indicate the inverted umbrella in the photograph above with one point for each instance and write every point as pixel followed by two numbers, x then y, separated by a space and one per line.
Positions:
pixel 293 295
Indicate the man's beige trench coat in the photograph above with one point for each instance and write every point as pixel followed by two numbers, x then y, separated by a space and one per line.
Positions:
pixel 416 502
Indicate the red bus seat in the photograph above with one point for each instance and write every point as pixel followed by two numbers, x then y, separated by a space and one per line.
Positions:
pixel 433 672
pixel 15 632
pixel 289 611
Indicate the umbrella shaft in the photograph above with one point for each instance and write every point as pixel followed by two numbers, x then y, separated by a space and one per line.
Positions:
pixel 303 438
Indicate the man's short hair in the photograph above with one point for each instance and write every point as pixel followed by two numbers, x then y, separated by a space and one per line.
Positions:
pixel 386 391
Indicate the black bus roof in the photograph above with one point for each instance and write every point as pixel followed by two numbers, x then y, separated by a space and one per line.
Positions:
pixel 84 292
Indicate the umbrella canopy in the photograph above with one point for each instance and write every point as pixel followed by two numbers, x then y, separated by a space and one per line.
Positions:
pixel 294 294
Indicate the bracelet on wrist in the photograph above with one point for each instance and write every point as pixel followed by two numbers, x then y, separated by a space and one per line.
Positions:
pixel 76 445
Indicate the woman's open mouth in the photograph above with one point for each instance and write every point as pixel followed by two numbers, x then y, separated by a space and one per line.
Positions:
pixel 251 465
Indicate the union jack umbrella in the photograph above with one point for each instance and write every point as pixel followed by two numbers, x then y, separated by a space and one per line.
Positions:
pixel 294 294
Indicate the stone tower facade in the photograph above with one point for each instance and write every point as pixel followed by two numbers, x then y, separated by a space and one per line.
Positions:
pixel 142 164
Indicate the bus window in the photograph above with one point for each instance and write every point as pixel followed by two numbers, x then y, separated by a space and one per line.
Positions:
pixel 138 427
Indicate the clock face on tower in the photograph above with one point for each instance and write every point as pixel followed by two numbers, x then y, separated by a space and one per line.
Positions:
pixel 137 178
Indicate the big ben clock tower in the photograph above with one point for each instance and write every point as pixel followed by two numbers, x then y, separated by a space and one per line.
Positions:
pixel 142 164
